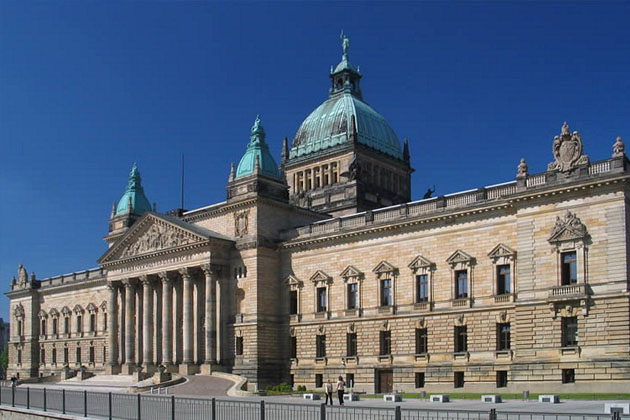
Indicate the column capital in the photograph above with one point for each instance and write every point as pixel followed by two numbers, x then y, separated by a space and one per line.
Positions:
pixel 111 286
pixel 184 272
pixel 165 278
pixel 210 269
pixel 128 283
pixel 145 280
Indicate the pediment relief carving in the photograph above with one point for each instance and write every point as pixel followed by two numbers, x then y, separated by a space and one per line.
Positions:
pixel 320 276
pixel 291 280
pixel 502 250
pixel 157 237
pixel 321 330
pixel 569 228
pixel 351 271
pixel 460 256
pixel 503 317
pixel 385 268
pixel 421 262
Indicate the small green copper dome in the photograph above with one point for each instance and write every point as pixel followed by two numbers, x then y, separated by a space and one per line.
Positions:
pixel 134 195
pixel 257 149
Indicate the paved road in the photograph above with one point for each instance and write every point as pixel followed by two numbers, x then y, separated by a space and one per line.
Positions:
pixel 202 386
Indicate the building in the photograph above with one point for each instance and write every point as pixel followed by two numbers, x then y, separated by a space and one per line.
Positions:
pixel 321 266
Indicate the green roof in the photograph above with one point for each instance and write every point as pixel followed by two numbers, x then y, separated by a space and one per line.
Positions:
pixel 257 149
pixel 134 195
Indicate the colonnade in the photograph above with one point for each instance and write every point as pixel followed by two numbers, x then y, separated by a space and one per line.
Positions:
pixel 168 318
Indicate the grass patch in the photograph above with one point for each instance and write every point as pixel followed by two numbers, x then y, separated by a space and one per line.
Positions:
pixel 505 396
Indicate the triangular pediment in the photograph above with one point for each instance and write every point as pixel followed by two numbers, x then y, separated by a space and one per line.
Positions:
pixel 459 256
pixel 384 267
pixel 320 276
pixel 66 311
pixel 569 228
pixel 91 307
pixel 54 312
pixel 155 232
pixel 421 262
pixel 501 250
pixel 292 280
pixel 350 271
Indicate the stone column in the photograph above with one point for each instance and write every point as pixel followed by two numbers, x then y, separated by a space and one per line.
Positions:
pixel 138 324
pixel 217 323
pixel 187 292
pixel 167 319
pixel 211 315
pixel 130 300
pixel 147 322
pixel 112 329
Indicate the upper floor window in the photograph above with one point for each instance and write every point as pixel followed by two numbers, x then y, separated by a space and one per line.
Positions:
pixel 79 323
pixel 461 284
pixel 66 325
pixel 503 279
pixel 422 288
pixel 385 343
pixel 352 279
pixel 55 326
pixel 461 339
pixel 569 331
pixel 293 302
pixel 295 288
pixel 386 292
pixel 293 347
pixel 321 299
pixel 320 350
pixel 351 344
pixel 422 341
pixel 92 322
pixel 239 346
pixel 353 294
pixel 569 268
pixel 503 336
pixel 321 282
pixel 386 275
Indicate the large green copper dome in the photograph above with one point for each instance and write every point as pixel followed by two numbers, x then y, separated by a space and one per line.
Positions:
pixel 330 124
pixel 134 195
pixel 257 149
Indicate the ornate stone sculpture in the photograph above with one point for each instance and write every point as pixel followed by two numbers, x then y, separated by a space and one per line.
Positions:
pixel 156 238
pixel 241 223
pixel 22 276
pixel 568 228
pixel 522 169
pixel 619 148
pixel 567 150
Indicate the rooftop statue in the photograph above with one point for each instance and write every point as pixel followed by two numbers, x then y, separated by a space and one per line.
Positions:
pixel 22 276
pixel 345 44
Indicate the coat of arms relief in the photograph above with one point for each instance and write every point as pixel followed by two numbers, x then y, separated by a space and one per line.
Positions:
pixel 567 150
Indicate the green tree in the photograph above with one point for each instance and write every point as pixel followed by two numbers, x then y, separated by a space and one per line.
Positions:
pixel 4 359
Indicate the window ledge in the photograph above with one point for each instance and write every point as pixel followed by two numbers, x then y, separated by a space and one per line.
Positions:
pixel 352 312
pixel 321 361
pixel 385 358
pixel 568 292
pixel 504 298
pixel 422 356
pixel 350 359
pixel 321 315
pixel 423 306
pixel 295 318
pixel 389 309
pixel 504 354
pixel 573 350
pixel 461 302
pixel 461 355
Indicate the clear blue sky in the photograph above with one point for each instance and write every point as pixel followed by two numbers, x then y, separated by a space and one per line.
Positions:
pixel 87 88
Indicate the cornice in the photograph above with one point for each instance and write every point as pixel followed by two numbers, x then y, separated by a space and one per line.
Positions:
pixel 160 253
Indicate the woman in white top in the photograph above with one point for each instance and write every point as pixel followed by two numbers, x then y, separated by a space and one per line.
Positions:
pixel 340 389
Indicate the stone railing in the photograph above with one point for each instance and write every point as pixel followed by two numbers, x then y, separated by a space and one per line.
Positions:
pixel 90 274
pixel 452 201
pixel 569 290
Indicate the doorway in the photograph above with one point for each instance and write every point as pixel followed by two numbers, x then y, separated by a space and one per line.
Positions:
pixel 385 381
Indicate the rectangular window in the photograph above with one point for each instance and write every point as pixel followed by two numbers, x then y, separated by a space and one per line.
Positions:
pixel 459 380
pixel 55 326
pixel 54 356
pixel 92 322
pixel 351 344
pixel 568 376
pixel 503 279
pixel 422 285
pixel 105 321
pixel 419 379
pixel 422 344
pixel 386 343
pixel 92 354
pixel 321 299
pixel 386 292
pixel 79 323
pixel 19 357
pixel 239 346
pixel 350 380
pixel 353 292
pixel 569 332
pixel 461 339
pixel 78 355
pixel 321 346
pixel 65 355
pixel 569 268
pixel 503 336
pixel 294 347
pixel 19 329
pixel 319 380
pixel 43 331
pixel 42 356
pixel 66 325
pixel 461 284
pixel 502 379
pixel 293 306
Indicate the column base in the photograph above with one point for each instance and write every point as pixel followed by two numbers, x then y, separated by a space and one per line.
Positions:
pixel 188 369
pixel 112 369
pixel 128 369
pixel 149 368
pixel 208 367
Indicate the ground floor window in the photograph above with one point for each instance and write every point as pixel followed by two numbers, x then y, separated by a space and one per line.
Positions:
pixel 502 379
pixel 239 346
pixel 92 354
pixel 319 380
pixel 459 380
pixel 350 379
pixel 568 376
pixel 419 379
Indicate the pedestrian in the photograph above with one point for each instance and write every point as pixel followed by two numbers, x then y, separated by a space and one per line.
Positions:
pixel 329 392
pixel 341 385
pixel 13 381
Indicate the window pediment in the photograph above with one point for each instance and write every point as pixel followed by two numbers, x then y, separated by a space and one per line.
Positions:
pixel 91 307
pixel 42 314
pixel 103 306
pixel 66 311
pixel 385 268
pixel 569 228
pixel 460 257
pixel 54 313
pixel 291 280
pixel 78 309
pixel 500 251
pixel 321 277
pixel 350 272
pixel 421 262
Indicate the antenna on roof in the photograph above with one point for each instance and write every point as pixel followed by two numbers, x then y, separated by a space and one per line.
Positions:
pixel 182 204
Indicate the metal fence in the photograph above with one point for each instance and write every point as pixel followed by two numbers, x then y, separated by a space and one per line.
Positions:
pixel 163 407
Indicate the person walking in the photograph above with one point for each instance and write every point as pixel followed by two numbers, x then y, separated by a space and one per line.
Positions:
pixel 341 385
pixel 329 392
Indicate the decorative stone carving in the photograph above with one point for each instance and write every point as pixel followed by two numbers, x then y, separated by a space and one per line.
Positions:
pixel 157 237
pixel 384 268
pixel 18 311
pixel 502 250
pixel 66 311
pixel 460 256
pixel 22 276
pixel 292 332
pixel 618 148
pixel 567 150
pixel 241 223
pixel 459 320
pixel 103 306
pixel 421 262
pixel 352 328
pixel 503 317
pixel 91 308
pixel 321 330
pixel 568 228
pixel 321 278
pixel 522 169
pixel 421 323
pixel 78 309
pixel 351 272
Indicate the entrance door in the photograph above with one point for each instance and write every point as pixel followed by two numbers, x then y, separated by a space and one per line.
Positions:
pixel 385 381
